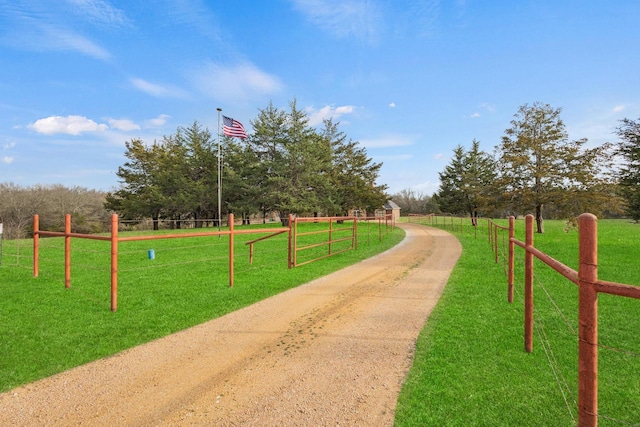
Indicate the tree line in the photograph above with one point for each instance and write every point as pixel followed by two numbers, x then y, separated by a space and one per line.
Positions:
pixel 287 166
pixel 284 166
pixel 19 204
pixel 537 169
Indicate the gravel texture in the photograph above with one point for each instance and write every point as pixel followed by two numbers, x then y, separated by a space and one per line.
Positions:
pixel 332 352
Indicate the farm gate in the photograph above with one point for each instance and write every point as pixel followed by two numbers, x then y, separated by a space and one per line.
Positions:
pixel 298 240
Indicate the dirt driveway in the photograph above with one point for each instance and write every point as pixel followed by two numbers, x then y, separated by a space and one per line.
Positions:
pixel 332 352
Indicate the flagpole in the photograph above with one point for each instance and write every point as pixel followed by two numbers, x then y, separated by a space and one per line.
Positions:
pixel 219 174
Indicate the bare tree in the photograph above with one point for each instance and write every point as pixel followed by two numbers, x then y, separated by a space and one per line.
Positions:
pixel 18 205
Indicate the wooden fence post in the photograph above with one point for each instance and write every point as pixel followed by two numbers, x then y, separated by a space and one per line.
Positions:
pixel 114 262
pixel 36 244
pixel 510 276
pixel 330 234
pixel 295 241
pixel 290 254
pixel 354 241
pixel 528 286
pixel 588 322
pixel 67 251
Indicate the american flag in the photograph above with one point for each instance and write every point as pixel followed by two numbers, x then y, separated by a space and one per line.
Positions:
pixel 233 128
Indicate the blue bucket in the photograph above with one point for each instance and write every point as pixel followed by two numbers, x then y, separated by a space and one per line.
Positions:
pixel 152 254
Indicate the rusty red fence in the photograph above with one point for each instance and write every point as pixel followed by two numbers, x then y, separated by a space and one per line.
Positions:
pixel 589 286
pixel 336 226
pixel 385 224
pixel 115 240
pixel 340 231
pixel 451 222
pixel 586 278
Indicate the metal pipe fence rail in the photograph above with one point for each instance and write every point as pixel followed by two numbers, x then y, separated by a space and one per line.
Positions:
pixel 335 232
pixel 589 286
pixel 115 240
pixel 452 222
pixel 502 241
pixel 341 232
pixel 15 252
pixel 386 223
pixel 336 226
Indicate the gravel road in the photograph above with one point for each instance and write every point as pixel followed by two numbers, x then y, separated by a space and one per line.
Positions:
pixel 332 352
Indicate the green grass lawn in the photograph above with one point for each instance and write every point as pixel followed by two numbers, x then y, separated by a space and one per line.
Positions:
pixel 45 328
pixel 471 368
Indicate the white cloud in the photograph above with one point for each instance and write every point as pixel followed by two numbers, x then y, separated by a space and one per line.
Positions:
pixel 30 28
pixel 9 145
pixel 484 106
pixel 327 112
pixel 71 125
pixel 99 12
pixel 392 105
pixel 158 121
pixel 488 107
pixel 389 141
pixel 361 19
pixel 123 124
pixel 7 160
pixel 439 156
pixel 63 39
pixel 598 124
pixel 157 90
pixel 238 82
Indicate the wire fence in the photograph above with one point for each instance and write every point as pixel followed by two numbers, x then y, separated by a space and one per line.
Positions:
pixel 594 394
pixel 559 323
pixel 195 252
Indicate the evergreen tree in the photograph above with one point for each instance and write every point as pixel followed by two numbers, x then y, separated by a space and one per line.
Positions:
pixel 353 175
pixel 539 165
pixel 629 173
pixel 285 165
pixel 139 195
pixel 466 184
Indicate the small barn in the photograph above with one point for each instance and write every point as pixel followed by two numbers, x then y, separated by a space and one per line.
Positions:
pixel 389 208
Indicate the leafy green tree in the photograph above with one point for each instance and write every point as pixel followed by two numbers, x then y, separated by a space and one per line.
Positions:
pixel 194 172
pixel 539 165
pixel 466 184
pixel 243 191
pixel 285 165
pixel 267 143
pixel 353 175
pixel 172 179
pixel 293 161
pixel 139 195
pixel 629 173
pixel 307 161
pixel 450 196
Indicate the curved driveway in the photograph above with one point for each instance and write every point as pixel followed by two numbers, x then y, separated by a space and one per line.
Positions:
pixel 334 351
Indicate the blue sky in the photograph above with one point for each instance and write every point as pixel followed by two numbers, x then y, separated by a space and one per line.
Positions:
pixel 409 80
